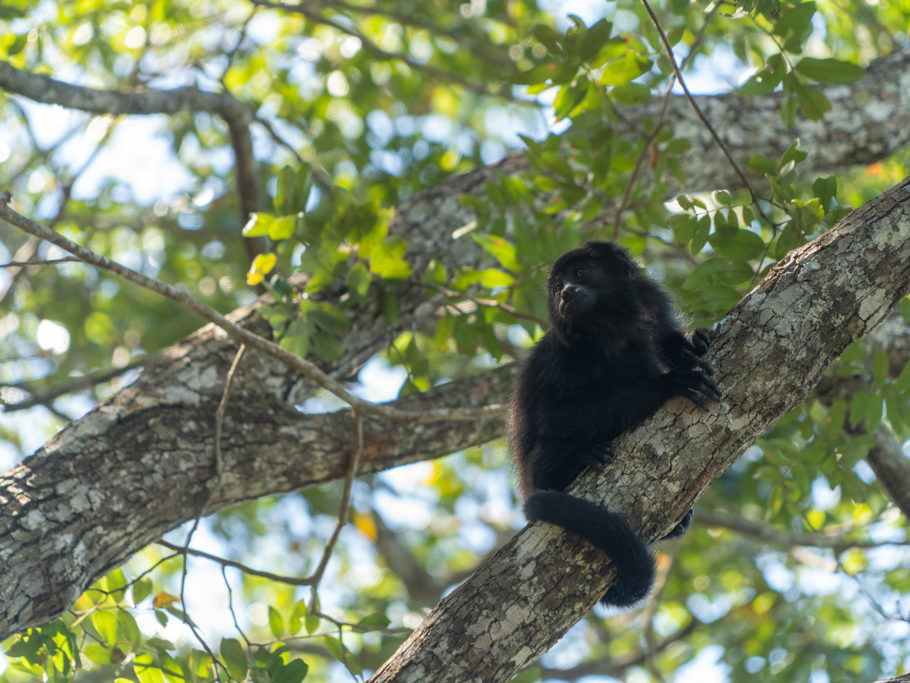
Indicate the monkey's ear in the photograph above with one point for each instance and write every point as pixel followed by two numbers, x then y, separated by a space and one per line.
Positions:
pixel 628 263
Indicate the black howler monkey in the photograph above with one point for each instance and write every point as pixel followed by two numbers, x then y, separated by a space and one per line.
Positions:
pixel 615 353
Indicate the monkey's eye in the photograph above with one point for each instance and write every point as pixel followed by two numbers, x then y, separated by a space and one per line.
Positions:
pixel 581 272
pixel 557 286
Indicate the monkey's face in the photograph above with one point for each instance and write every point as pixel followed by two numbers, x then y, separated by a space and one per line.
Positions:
pixel 574 292
pixel 588 286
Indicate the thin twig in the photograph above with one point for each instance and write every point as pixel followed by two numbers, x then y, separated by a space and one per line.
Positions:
pixel 661 120
pixel 488 303
pixel 700 113
pixel 242 335
pixel 230 592
pixel 219 413
pixel 45 397
pixel 343 507
pixel 48 262
pixel 225 562
pixel 187 619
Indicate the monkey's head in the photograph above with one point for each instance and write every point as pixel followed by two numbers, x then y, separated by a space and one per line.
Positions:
pixel 589 290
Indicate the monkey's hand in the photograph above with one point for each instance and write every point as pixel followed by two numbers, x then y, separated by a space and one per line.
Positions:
pixel 600 455
pixel 692 384
pixel 693 351
pixel 681 527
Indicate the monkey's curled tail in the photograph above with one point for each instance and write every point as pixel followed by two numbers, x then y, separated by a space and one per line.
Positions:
pixel 605 530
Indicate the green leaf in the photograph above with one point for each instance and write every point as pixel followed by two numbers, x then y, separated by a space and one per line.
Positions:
pixel 389 307
pixel 292 672
pixel 740 245
pixel 793 153
pixel 326 346
pixel 903 379
pixel 334 647
pixel 625 69
pixel 235 659
pixel 795 20
pixel 875 403
pixel 812 102
pixel 700 238
pixel 282 228
pixel 141 590
pixel 857 407
pixel 500 249
pixel 879 368
pixel 631 93
pixel 762 82
pixel 829 70
pixel 311 623
pixel 325 316
pixel 376 620
pixel 388 262
pixel 790 238
pixel 358 279
pixel 258 225
pixel 717 270
pixel 105 624
pixel 549 38
pixel 147 670
pixel 293 189
pixel 128 629
pixel 276 622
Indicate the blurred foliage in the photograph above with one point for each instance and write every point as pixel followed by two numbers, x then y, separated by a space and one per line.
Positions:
pixel 359 106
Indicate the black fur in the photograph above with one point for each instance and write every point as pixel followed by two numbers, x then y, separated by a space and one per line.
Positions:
pixel 615 353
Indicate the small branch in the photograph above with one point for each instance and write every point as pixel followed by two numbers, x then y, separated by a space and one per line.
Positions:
pixel 661 120
pixel 219 413
pixel 47 396
pixel 616 667
pixel 48 262
pixel 700 113
pixel 891 467
pixel 185 612
pixel 146 101
pixel 224 562
pixel 242 335
pixel 782 537
pixel 344 506
pixel 489 303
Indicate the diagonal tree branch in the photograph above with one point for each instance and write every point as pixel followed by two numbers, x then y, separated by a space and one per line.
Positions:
pixel 770 351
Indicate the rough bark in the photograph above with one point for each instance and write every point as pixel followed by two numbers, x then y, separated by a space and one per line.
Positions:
pixel 142 462
pixel 769 352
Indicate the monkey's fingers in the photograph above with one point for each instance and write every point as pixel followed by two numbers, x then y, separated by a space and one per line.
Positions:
pixel 700 362
pixel 701 340
pixel 600 456
pixel 693 396
pixel 709 388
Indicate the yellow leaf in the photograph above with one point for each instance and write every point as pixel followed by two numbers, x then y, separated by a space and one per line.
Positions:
pixel 261 266
pixel 163 599
pixel 365 525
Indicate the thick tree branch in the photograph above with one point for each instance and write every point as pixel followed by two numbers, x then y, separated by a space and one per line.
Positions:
pixel 143 463
pixel 769 353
